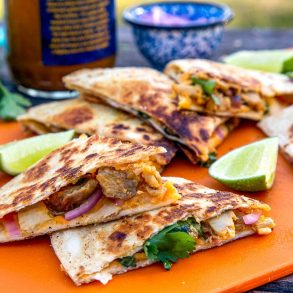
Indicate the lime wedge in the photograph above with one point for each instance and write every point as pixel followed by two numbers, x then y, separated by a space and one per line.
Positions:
pixel 18 156
pixel 264 60
pixel 248 168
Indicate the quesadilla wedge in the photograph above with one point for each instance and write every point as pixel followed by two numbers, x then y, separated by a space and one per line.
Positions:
pixel 225 90
pixel 145 93
pixel 280 124
pixel 88 180
pixel 95 118
pixel 203 218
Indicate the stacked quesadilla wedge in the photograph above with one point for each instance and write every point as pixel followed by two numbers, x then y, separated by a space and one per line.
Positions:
pixel 202 219
pixel 95 118
pixel 88 180
pixel 225 90
pixel 280 124
pixel 145 93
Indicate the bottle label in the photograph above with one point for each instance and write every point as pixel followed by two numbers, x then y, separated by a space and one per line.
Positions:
pixel 75 32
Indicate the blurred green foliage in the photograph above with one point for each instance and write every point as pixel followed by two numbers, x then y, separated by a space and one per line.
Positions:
pixel 248 13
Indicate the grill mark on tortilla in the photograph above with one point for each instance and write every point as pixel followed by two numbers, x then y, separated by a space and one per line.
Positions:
pixel 120 127
pixel 75 116
pixel 117 236
pixel 204 134
pixel 38 171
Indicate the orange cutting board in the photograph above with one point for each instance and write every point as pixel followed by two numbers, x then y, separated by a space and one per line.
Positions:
pixel 31 266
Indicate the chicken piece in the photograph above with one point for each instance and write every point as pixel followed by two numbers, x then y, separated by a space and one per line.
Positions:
pixel 117 183
pixel 71 196
pixel 264 225
pixel 223 225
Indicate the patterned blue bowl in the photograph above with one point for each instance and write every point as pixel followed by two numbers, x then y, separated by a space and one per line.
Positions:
pixel 198 38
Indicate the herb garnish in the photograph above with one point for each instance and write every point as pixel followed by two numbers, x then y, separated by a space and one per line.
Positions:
pixel 128 261
pixel 210 161
pixel 11 104
pixel 172 243
pixel 208 87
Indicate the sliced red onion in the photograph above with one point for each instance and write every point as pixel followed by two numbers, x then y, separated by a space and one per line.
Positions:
pixel 158 16
pixel 219 133
pixel 250 219
pixel 236 101
pixel 86 206
pixel 11 225
pixel 116 201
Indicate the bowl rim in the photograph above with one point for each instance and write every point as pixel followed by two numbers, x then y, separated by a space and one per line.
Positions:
pixel 228 15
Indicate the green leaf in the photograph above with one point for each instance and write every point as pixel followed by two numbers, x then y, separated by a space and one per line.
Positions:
pixel 207 85
pixel 210 161
pixel 290 74
pixel 288 65
pixel 21 100
pixel 11 104
pixel 172 243
pixel 128 261
pixel 216 100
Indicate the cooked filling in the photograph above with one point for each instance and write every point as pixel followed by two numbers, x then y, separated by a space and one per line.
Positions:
pixel 184 237
pixel 71 196
pixel 122 183
pixel 117 183
pixel 215 95
pixel 40 128
pixel 207 158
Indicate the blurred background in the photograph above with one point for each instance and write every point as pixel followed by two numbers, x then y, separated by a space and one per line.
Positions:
pixel 249 13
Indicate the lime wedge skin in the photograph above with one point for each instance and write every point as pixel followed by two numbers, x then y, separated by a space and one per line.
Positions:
pixel 264 60
pixel 18 156
pixel 249 168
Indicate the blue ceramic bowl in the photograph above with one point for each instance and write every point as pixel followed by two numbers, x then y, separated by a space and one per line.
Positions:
pixel 196 39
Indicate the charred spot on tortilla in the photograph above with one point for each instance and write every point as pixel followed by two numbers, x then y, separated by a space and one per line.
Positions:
pixel 204 134
pixel 117 236
pixel 120 127
pixel 38 171
pixel 75 116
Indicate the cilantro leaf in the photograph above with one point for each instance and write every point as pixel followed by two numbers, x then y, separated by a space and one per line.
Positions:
pixel 172 243
pixel 128 261
pixel 169 247
pixel 210 161
pixel 11 104
pixel 207 85
pixel 216 100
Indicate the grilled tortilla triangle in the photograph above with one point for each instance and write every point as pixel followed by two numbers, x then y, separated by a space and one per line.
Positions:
pixel 146 93
pixel 95 252
pixel 67 177
pixel 95 118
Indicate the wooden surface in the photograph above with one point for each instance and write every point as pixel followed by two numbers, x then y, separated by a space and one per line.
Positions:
pixel 233 40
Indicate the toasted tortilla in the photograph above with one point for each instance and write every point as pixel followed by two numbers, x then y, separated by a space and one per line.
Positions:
pixel 63 167
pixel 95 118
pixel 280 124
pixel 145 93
pixel 254 89
pixel 90 253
